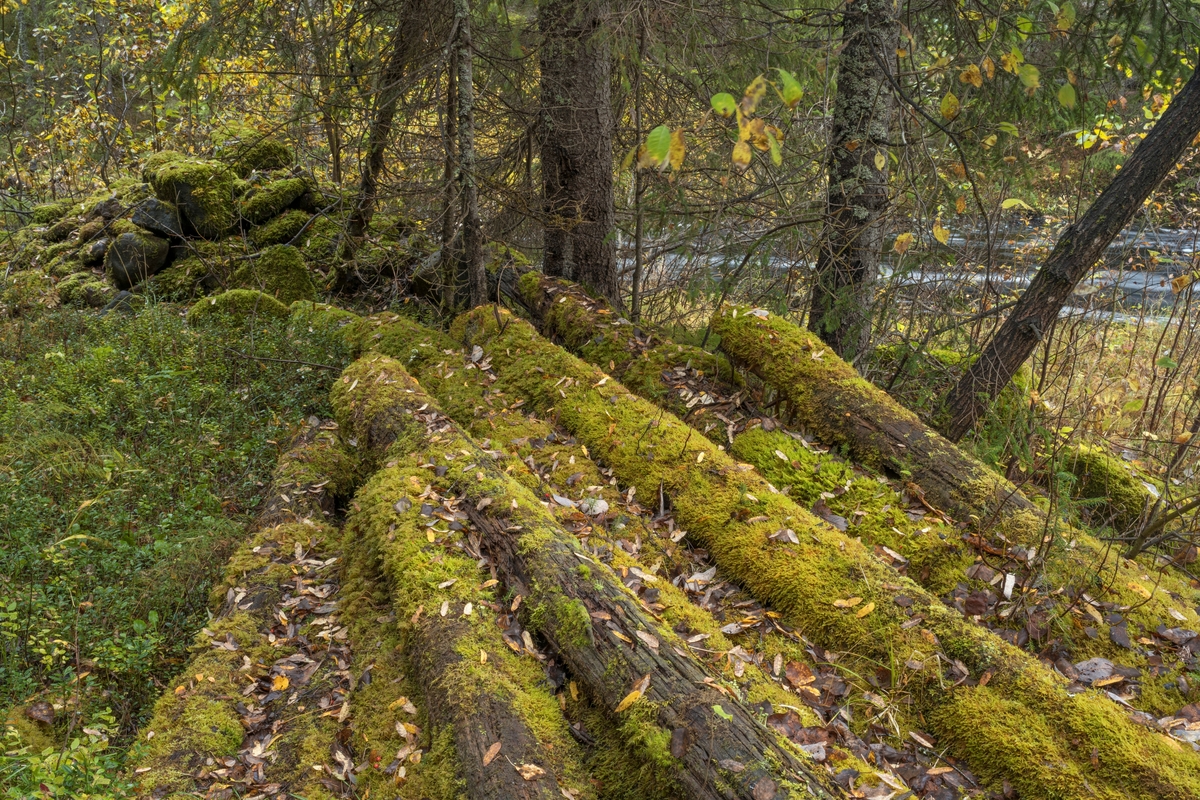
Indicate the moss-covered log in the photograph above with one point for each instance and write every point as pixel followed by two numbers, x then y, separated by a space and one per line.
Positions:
pixel 248 710
pixel 613 646
pixel 474 686
pixel 838 594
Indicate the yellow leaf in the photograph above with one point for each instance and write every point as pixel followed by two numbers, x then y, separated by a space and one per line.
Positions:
pixel 847 603
pixel 1138 589
pixel 989 67
pixel 754 93
pixel 280 683
pixel 629 700
pixel 960 204
pixel 940 233
pixel 867 609
pixel 742 155
pixel 1183 438
pixel 949 106
pixel 678 148
pixel 902 243
pixel 971 75
pixel 880 160
pixel 1180 282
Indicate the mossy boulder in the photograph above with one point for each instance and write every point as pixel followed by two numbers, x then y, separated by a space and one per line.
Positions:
pixel 65 264
pixel 280 230
pixel 1119 498
pixel 25 291
pixel 92 253
pixel 183 280
pixel 280 272
pixel 246 149
pixel 158 216
pixel 48 213
pixel 238 304
pixel 84 290
pixel 133 257
pixel 202 190
pixel 61 231
pixel 264 203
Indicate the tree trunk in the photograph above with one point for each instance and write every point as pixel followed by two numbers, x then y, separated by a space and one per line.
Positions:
pixel 577 130
pixel 447 265
pixel 472 232
pixel 415 23
pixel 848 263
pixel 1077 251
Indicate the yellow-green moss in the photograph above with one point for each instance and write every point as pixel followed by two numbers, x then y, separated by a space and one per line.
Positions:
pixel 280 230
pixel 203 190
pixel 267 202
pixel 1123 499
pixel 84 290
pixel 246 148
pixel 278 271
pixel 237 304
pixel 25 291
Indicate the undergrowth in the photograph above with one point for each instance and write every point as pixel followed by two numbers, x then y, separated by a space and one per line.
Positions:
pixel 133 451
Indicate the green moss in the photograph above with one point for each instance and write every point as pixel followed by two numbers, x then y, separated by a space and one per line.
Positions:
pixel 1122 497
pixel 183 280
pixel 733 513
pixel 268 201
pixel 278 271
pixel 34 735
pixel 203 190
pixel 48 213
pixel 246 148
pixel 26 291
pixel 239 304
pixel 84 290
pixel 280 230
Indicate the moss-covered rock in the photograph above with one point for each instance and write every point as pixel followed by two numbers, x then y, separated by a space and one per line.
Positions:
pixel 280 230
pixel 48 213
pixel 262 204
pixel 203 191
pixel 26 291
pixel 84 290
pixel 182 280
pixel 60 231
pixel 237 304
pixel 278 271
pixel 158 216
pixel 1118 498
pixel 246 148
pixel 133 257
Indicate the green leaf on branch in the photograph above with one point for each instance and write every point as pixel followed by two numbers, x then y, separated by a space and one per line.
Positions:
pixel 949 106
pixel 1014 202
pixel 791 91
pixel 1031 77
pixel 1066 95
pixel 1166 362
pixel 724 104
pixel 658 145
pixel 1009 128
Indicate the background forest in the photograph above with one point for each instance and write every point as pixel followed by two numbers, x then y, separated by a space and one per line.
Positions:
pixel 919 276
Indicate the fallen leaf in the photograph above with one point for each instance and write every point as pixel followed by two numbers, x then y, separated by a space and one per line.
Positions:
pixel 849 602
pixel 867 609
pixel 280 683
pixel 491 753
pixel 530 772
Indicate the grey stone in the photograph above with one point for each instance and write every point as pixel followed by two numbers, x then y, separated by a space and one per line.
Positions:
pixel 158 216
pixel 134 257
pixel 92 254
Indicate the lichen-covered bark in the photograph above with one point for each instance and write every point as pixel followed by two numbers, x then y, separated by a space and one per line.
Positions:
pixel 848 263
pixel 610 643
pixel 731 510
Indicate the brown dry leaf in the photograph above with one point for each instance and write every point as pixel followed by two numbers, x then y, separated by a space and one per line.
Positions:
pixel 798 674
pixel 280 683
pixel 867 609
pixel 850 602
pixel 530 772
pixel 491 753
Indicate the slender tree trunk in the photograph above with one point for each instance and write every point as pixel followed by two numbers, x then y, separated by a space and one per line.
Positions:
pixel 577 135
pixel 472 233
pixel 635 294
pixel 414 22
pixel 1077 251
pixel 848 263
pixel 450 186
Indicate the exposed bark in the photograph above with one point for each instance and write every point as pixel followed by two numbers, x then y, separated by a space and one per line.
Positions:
pixel 577 130
pixel 472 232
pixel 1075 253
pixel 848 263
pixel 417 22
pixel 712 495
pixel 608 641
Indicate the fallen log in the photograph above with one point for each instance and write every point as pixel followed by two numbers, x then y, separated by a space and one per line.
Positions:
pixel 229 720
pixel 936 555
pixel 642 673
pixel 837 593
pixel 472 684
pixel 562 473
